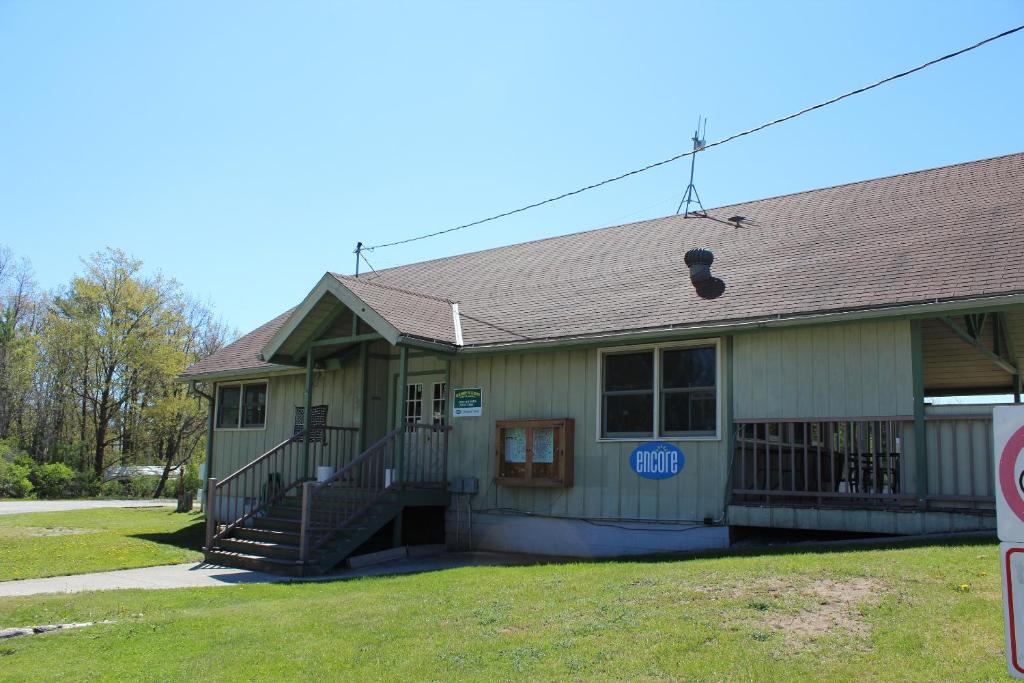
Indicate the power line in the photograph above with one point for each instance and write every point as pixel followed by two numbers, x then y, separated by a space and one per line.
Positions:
pixel 716 143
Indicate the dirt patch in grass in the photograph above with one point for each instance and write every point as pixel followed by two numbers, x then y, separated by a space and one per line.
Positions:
pixel 836 609
pixel 42 532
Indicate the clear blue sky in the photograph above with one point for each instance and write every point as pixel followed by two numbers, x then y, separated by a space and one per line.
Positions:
pixel 244 147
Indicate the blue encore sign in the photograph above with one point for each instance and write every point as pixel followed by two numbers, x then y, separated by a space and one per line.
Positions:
pixel 656 460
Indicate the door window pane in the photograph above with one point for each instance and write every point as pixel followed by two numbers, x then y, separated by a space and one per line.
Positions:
pixel 227 407
pixel 414 403
pixel 439 401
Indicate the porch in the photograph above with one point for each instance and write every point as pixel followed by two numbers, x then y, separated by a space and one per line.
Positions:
pixel 325 489
pixel 921 471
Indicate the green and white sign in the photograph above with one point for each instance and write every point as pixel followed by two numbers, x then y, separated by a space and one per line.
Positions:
pixel 468 402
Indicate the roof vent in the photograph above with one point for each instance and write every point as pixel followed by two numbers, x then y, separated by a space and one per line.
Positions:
pixel 699 262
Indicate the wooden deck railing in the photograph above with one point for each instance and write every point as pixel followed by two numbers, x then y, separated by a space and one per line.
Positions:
pixel 960 462
pixel 863 463
pixel 846 463
pixel 269 478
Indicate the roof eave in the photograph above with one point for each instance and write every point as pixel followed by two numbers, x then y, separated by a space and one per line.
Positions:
pixel 714 328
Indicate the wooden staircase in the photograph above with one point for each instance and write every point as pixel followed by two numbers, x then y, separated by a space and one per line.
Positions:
pixel 307 528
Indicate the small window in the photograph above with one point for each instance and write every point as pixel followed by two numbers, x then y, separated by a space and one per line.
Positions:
pixel 242 406
pixel 535 452
pixel 414 403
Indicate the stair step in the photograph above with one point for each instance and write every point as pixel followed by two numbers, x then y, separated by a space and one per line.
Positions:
pixel 255 562
pixel 278 523
pixel 268 535
pixel 260 548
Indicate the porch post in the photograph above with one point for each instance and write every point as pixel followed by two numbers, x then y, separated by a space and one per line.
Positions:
pixel 209 447
pixel 403 370
pixel 307 408
pixel 364 363
pixel 920 435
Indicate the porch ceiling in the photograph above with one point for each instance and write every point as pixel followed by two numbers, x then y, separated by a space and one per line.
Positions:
pixel 953 366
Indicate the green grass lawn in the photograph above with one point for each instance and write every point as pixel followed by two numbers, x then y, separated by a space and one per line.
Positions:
pixel 41 544
pixel 927 613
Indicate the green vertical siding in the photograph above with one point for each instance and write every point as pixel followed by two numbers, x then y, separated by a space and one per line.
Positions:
pixel 840 370
pixel 557 384
pixel 339 389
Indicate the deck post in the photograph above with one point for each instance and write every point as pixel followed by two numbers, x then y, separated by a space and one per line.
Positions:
pixel 306 412
pixel 920 435
pixel 211 512
pixel 307 500
pixel 400 398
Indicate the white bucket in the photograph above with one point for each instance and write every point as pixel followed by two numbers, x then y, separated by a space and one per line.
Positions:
pixel 323 473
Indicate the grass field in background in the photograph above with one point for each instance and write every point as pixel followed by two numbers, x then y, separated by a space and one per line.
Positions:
pixel 39 544
pixel 925 613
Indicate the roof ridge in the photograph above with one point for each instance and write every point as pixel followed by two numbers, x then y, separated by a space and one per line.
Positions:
pixel 369 281
pixel 716 208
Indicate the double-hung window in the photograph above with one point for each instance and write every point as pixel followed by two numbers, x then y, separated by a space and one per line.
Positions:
pixel 242 406
pixel 668 391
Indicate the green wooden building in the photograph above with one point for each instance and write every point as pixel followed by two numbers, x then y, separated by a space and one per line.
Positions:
pixel 579 396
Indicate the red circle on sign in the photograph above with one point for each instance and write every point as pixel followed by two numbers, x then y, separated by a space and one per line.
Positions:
pixel 1008 482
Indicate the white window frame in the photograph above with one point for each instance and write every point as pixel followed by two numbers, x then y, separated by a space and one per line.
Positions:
pixel 656 349
pixel 411 400
pixel 241 395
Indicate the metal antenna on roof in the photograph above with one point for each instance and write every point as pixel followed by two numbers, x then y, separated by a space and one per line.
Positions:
pixel 358 252
pixel 691 195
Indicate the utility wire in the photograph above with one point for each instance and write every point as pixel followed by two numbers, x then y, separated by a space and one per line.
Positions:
pixel 716 143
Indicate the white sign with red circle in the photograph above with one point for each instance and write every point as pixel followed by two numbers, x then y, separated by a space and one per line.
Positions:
pixel 1008 446
pixel 1008 440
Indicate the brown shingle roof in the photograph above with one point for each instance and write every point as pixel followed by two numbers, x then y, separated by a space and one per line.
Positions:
pixel 243 354
pixel 941 234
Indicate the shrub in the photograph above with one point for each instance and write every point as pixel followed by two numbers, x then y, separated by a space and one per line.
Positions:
pixel 14 480
pixel 86 485
pixel 112 489
pixel 54 480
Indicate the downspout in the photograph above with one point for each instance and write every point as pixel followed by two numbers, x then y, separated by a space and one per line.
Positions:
pixel 209 441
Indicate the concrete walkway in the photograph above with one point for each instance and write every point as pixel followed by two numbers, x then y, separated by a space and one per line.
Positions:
pixel 189 575
pixel 17 507
pixel 203 575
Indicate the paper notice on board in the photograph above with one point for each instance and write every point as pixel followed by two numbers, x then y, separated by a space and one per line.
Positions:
pixel 515 445
pixel 544 445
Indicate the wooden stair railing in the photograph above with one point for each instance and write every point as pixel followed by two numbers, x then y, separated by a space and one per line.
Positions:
pixel 253 488
pixel 332 505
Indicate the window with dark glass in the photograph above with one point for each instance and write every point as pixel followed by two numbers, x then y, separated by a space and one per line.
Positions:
pixel 242 406
pixel 254 406
pixel 660 392
pixel 628 395
pixel 688 403
pixel 228 406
